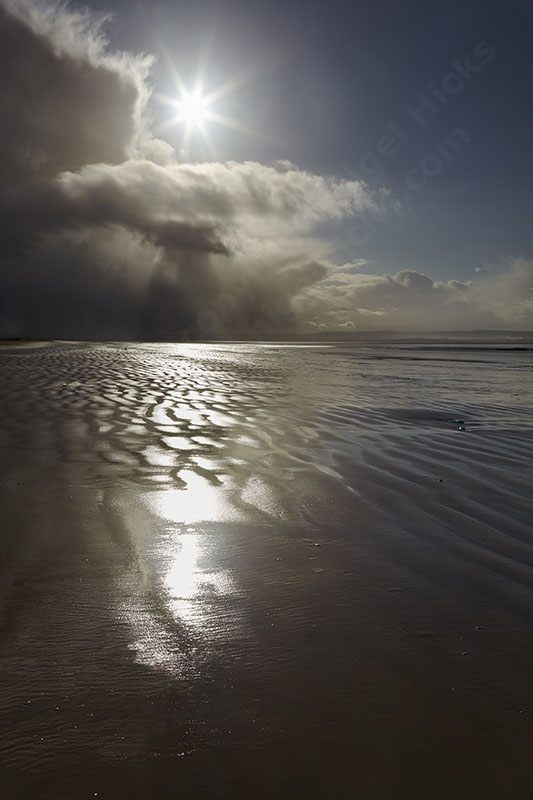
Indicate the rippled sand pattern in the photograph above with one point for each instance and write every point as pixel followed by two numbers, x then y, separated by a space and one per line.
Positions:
pixel 266 571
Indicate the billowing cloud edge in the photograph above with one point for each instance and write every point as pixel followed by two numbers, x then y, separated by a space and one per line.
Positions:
pixel 107 235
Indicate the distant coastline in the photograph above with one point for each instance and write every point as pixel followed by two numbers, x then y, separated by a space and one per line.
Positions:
pixel 520 339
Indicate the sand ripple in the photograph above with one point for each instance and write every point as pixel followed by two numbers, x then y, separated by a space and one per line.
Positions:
pixel 240 548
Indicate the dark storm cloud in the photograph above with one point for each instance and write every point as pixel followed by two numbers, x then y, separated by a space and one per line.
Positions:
pixel 104 234
pixel 64 103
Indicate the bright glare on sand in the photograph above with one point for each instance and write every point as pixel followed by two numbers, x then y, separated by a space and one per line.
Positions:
pixel 282 571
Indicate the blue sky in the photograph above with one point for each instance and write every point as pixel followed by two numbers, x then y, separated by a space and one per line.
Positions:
pixel 360 166
pixel 326 79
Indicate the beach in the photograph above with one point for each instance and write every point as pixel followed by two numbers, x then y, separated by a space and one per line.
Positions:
pixel 266 570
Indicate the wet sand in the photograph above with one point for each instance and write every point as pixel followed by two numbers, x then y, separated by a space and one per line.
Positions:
pixel 246 571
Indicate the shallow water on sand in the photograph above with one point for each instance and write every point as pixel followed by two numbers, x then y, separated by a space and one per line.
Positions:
pixel 244 570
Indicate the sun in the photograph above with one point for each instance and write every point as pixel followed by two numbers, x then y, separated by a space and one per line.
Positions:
pixel 193 109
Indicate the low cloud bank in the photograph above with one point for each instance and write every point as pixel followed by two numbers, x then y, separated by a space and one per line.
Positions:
pixel 410 300
pixel 105 235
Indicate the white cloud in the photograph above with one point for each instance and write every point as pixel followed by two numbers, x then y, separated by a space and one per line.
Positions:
pixel 410 300
pixel 212 248
pixel 104 234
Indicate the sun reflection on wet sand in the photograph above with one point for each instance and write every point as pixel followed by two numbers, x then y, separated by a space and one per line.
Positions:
pixel 296 579
pixel 199 501
pixel 190 587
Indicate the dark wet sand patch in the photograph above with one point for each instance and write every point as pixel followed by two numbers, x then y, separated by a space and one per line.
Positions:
pixel 326 593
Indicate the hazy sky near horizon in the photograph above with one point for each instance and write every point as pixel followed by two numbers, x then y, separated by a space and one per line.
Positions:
pixel 358 165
